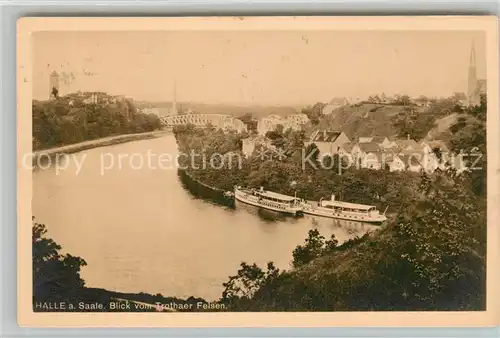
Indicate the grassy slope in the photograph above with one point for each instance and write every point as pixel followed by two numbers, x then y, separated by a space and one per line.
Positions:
pixel 377 119
pixel 441 131
pixel 364 119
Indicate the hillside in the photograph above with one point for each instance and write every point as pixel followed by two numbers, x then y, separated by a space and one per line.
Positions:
pixel 441 130
pixel 363 119
pixel 392 120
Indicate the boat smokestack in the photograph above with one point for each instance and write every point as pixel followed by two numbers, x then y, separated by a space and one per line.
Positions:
pixel 261 189
pixel 333 197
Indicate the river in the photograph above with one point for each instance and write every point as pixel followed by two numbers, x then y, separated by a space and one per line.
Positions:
pixel 139 230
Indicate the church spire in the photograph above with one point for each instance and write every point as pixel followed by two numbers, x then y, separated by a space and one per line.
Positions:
pixel 472 81
pixel 472 61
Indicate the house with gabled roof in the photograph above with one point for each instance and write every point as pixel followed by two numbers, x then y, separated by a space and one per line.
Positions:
pixel 367 155
pixel 345 151
pixel 346 148
pixel 328 141
pixel 361 149
pixel 394 163
pixel 408 144
pixel 380 140
pixel 372 160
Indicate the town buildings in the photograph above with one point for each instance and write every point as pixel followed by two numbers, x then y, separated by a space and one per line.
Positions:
pixel 381 152
pixel 271 123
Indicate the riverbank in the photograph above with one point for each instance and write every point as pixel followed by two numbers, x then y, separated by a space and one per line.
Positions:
pixel 204 191
pixel 101 142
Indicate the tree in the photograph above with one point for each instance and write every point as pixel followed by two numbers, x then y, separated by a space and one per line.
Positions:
pixel 55 276
pixel 314 113
pixel 312 249
pixel 403 100
pixel 312 152
pixel 469 137
pixel 409 122
pixel 57 122
pixel 277 138
pixel 441 241
pixel 55 92
pixel 241 288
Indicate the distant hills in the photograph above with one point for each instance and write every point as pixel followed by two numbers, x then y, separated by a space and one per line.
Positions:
pixel 257 111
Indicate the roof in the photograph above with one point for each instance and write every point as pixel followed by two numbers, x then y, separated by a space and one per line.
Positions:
pixel 375 139
pixel 348 146
pixel 325 136
pixel 379 139
pixel 369 147
pixel 350 205
pixel 382 157
pixel 276 195
pixel 407 143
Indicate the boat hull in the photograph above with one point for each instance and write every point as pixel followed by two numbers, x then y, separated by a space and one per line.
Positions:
pixel 268 206
pixel 343 216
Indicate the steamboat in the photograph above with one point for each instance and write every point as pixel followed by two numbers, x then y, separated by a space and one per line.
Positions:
pixel 269 200
pixel 344 210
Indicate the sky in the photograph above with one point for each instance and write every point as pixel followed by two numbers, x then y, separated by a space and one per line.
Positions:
pixel 258 67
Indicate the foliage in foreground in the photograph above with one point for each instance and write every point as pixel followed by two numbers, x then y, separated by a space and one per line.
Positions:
pixel 431 257
pixel 56 279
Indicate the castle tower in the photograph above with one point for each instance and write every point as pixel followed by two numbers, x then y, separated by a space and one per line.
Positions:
pixel 53 84
pixel 472 82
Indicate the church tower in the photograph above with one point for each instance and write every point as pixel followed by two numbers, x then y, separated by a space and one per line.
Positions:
pixel 53 84
pixel 472 85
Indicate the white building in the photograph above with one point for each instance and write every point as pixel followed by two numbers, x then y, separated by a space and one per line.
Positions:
pixel 249 144
pixel 329 142
pixel 269 123
pixel 295 121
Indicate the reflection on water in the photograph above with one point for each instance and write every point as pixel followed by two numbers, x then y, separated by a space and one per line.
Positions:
pixel 141 231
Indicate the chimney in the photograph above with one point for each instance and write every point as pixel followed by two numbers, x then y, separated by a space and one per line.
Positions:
pixel 408 137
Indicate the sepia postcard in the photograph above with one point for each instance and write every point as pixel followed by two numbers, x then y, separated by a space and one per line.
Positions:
pixel 258 171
